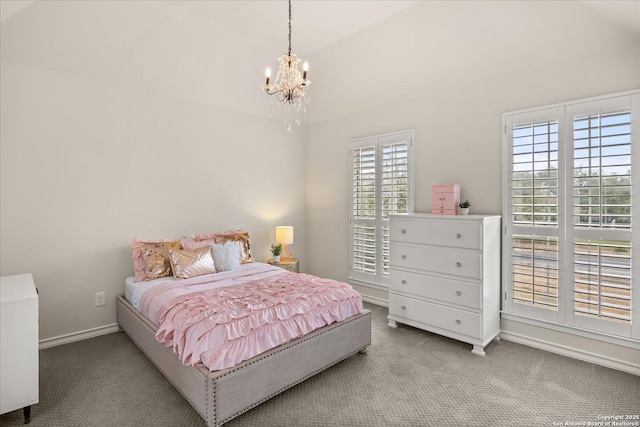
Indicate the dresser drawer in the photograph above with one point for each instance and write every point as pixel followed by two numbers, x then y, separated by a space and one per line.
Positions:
pixel 436 260
pixel 456 234
pixel 447 290
pixel 451 319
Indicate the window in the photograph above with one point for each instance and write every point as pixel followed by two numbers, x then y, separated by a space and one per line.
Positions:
pixel 569 213
pixel 381 185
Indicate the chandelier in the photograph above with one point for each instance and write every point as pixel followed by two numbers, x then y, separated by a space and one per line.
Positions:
pixel 290 86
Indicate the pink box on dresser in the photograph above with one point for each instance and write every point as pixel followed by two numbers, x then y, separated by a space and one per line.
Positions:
pixel 445 199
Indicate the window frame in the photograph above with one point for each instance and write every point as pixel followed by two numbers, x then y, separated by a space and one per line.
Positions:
pixel 377 280
pixel 565 317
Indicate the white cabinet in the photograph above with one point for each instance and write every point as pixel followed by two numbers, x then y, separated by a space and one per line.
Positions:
pixel 445 275
pixel 18 344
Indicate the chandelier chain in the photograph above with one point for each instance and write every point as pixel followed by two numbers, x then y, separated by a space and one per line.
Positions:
pixel 289 27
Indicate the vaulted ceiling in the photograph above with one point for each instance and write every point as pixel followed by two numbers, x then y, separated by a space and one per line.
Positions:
pixel 362 53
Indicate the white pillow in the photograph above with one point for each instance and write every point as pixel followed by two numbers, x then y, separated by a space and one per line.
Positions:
pixel 226 256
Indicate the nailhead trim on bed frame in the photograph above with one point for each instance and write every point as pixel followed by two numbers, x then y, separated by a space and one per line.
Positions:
pixel 206 396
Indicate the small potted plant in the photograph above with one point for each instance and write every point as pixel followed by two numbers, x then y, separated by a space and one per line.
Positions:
pixel 464 207
pixel 276 250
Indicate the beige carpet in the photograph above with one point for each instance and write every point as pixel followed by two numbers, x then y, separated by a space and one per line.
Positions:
pixel 408 378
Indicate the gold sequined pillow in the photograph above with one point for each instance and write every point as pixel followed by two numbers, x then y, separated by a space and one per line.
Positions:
pixel 238 236
pixel 156 259
pixel 138 260
pixel 187 263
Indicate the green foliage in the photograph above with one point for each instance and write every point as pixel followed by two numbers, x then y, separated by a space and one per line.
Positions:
pixel 276 249
pixel 465 204
pixel 394 198
pixel 597 199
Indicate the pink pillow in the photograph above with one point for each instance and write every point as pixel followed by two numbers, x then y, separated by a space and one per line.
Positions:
pixel 202 237
pixel 193 244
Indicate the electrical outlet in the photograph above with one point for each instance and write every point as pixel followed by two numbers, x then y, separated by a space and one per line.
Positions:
pixel 100 298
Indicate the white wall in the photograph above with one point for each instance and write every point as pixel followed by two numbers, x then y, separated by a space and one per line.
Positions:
pixel 458 139
pixel 86 166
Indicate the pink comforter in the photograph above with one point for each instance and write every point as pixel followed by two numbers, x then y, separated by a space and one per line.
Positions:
pixel 218 327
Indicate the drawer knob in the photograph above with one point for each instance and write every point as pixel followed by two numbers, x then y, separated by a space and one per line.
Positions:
pixel 403 231
pixel 458 236
pixel 403 257
pixel 404 282
pixel 458 265
pixel 458 293
pixel 403 307
pixel 458 322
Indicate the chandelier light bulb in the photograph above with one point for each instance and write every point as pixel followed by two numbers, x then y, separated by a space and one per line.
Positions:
pixel 268 74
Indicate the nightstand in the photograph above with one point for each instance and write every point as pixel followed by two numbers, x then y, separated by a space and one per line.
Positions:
pixel 292 265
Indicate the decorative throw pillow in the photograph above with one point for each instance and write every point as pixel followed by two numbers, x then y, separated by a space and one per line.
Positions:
pixel 140 246
pixel 156 259
pixel 240 236
pixel 192 263
pixel 226 256
pixel 193 244
pixel 203 237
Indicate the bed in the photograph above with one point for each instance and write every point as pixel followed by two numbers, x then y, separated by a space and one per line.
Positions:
pixel 224 392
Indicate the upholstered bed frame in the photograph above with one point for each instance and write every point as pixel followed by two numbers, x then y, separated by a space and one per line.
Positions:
pixel 220 396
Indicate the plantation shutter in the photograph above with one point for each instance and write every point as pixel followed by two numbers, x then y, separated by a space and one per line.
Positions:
pixel 381 186
pixel 364 209
pixel 569 212
pixel 395 182
pixel 533 211
pixel 601 215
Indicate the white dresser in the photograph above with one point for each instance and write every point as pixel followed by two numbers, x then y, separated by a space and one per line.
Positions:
pixel 18 344
pixel 445 275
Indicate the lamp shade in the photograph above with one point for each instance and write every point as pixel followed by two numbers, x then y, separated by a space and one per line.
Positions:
pixel 284 235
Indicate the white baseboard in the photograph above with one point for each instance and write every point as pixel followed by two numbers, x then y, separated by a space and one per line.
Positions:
pixel 77 336
pixel 376 301
pixel 597 359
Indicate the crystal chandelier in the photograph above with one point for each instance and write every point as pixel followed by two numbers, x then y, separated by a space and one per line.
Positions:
pixel 290 87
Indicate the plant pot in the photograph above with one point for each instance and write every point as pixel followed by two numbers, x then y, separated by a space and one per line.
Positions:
pixel 276 258
pixel 464 211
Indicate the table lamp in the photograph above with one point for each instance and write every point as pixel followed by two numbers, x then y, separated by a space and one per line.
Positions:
pixel 284 236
